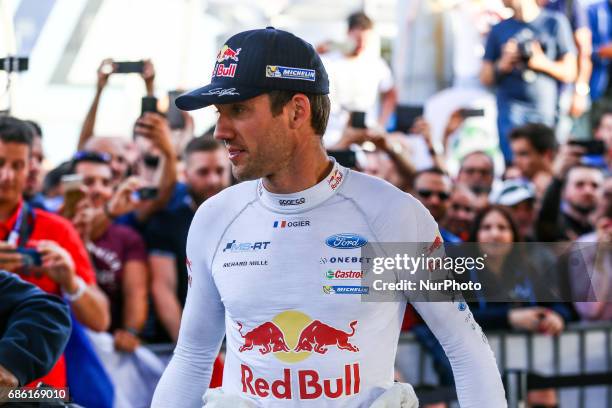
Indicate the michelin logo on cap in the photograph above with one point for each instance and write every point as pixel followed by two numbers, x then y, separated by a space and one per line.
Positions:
pixel 278 71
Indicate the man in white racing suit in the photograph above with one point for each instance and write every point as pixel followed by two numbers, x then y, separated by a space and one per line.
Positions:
pixel 275 261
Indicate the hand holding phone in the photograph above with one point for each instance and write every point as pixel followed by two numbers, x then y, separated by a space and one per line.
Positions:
pixel 148 104
pixel 10 259
pixel 30 256
pixel 591 147
pixel 72 186
pixel 147 193
pixel 405 116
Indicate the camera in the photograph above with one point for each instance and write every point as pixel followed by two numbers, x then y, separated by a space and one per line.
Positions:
pixel 14 64
pixel 525 49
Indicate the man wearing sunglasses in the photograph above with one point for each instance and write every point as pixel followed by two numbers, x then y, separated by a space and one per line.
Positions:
pixel 432 188
pixel 476 171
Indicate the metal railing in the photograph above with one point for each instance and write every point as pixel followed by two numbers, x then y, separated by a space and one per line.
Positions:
pixel 580 357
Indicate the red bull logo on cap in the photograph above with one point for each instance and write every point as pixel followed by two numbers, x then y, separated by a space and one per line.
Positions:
pixel 291 337
pixel 227 53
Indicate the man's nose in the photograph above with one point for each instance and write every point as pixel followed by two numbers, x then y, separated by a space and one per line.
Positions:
pixel 213 179
pixel 223 129
pixel 6 173
pixel 434 199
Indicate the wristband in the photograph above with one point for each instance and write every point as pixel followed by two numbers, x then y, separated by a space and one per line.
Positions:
pixel 582 89
pixel 81 288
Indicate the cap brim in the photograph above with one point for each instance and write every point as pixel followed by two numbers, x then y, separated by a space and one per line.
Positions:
pixel 215 94
pixel 514 198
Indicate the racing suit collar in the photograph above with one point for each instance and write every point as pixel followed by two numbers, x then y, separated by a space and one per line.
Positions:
pixel 306 199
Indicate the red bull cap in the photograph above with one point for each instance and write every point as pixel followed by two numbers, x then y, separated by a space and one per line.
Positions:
pixel 255 62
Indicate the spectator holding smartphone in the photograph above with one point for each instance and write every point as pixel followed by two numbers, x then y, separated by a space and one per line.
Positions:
pixel 570 198
pixel 117 251
pixel 64 268
pixel 360 79
pixel 526 58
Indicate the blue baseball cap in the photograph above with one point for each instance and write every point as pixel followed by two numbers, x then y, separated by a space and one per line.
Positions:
pixel 254 62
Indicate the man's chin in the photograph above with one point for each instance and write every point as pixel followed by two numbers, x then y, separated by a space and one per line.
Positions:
pixel 243 173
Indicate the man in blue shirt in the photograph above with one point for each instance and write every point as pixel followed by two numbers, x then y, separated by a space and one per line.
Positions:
pixel 34 329
pixel 600 21
pixel 574 102
pixel 526 57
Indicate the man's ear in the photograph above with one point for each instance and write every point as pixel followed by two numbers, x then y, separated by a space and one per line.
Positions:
pixel 298 111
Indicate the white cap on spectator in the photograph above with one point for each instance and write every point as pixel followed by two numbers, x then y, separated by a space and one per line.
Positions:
pixel 515 191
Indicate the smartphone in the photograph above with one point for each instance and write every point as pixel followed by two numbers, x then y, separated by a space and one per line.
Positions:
pixel 174 115
pixel 149 104
pixel 358 120
pixel 346 158
pixel 147 193
pixel 150 161
pixel 129 67
pixel 471 113
pixel 30 256
pixel 592 147
pixel 405 116
pixel 72 186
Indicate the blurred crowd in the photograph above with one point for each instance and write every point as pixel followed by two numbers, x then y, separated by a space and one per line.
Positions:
pixel 520 154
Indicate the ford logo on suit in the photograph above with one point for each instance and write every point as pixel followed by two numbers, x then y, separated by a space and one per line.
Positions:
pixel 345 241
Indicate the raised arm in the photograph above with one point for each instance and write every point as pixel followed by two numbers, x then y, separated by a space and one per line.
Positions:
pixel 104 71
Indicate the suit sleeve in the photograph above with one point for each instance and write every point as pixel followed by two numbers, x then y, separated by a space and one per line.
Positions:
pixel 34 328
pixel 188 375
pixel 477 377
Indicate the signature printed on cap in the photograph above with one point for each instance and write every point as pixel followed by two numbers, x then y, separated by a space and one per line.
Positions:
pixel 222 92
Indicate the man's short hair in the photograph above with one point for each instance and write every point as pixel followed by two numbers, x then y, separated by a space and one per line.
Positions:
pixel 475 152
pixel 201 144
pixel 540 136
pixel 431 170
pixel 360 20
pixel 319 108
pixel 581 166
pixel 37 129
pixel 13 130
pixel 88 156
pixel 54 176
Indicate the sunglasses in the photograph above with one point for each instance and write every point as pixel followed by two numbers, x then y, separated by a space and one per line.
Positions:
pixel 442 195
pixel 473 170
pixel 459 207
pixel 90 156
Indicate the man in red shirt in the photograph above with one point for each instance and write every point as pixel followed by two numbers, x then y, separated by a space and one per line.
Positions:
pixel 65 267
